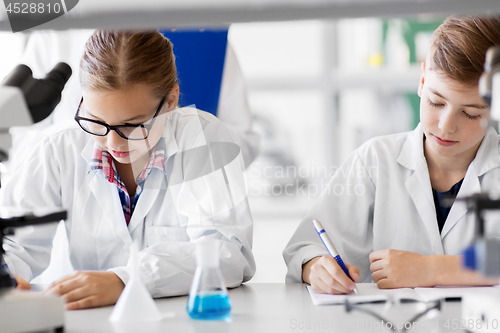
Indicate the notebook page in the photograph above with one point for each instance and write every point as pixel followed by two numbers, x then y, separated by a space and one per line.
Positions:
pixel 367 292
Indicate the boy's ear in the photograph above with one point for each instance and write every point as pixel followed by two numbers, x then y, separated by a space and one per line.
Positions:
pixel 422 79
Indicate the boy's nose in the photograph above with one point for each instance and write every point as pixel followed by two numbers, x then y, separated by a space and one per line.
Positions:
pixel 447 121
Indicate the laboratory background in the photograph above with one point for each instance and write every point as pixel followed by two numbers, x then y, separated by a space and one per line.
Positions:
pixel 316 89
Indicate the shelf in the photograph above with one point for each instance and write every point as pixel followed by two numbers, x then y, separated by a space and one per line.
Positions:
pixel 276 83
pixel 192 13
pixel 405 80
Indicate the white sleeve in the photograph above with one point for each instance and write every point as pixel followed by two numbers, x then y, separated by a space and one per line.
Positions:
pixel 210 190
pixel 32 187
pixel 345 209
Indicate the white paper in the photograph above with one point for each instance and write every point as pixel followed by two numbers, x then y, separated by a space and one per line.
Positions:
pixel 369 292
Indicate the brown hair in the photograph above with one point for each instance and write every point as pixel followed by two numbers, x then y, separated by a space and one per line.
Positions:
pixel 118 59
pixel 459 45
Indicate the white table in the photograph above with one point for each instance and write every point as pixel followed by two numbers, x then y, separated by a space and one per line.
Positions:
pixel 264 307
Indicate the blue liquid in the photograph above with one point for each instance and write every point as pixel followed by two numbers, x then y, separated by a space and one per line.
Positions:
pixel 209 307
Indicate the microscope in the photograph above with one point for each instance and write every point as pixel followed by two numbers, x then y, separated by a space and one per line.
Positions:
pixel 24 101
pixel 483 255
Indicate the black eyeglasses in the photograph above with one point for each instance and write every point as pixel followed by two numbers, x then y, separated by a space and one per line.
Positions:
pixel 127 131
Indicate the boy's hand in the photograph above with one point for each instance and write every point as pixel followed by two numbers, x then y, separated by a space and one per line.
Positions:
pixel 326 276
pixel 88 289
pixel 22 284
pixel 401 269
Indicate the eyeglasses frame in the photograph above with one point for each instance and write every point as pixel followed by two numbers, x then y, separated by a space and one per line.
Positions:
pixel 434 305
pixel 116 128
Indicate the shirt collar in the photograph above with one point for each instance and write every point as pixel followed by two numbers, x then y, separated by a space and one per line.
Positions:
pixel 156 160
pixel 487 156
pixel 101 160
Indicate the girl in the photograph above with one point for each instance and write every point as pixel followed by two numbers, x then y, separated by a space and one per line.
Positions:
pixel 138 169
pixel 396 224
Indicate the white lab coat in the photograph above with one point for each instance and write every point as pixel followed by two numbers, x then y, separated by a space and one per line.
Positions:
pixel 202 196
pixel 381 198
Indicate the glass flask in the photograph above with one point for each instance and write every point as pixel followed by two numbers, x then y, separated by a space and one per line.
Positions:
pixel 208 299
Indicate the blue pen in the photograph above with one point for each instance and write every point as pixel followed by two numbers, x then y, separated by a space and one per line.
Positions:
pixel 331 249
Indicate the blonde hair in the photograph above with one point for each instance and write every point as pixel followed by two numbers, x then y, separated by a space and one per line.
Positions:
pixel 459 45
pixel 113 60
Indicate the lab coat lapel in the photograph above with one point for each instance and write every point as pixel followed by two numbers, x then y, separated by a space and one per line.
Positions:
pixel 156 182
pixel 470 186
pixel 418 185
pixel 107 197
pixel 419 188
pixel 487 158
pixel 153 185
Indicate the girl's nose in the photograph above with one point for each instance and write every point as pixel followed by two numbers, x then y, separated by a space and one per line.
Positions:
pixel 116 142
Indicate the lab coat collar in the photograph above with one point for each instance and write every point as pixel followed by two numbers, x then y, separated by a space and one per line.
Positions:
pixel 459 208
pixel 419 186
pixel 412 153
pixel 147 197
pixel 156 181
pixel 153 186
pixel 487 156
pixel 171 146
pixel 88 149
pixel 107 197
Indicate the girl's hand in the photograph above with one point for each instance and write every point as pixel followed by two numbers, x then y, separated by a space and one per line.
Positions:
pixel 325 276
pixel 22 284
pixel 88 289
pixel 401 269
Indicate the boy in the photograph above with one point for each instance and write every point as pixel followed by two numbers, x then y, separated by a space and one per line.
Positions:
pixel 398 226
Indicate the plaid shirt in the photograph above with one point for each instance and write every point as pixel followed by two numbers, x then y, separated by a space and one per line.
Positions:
pixel 101 159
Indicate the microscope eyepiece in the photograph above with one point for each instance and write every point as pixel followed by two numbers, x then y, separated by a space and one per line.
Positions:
pixel 41 95
pixel 18 76
pixel 59 75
